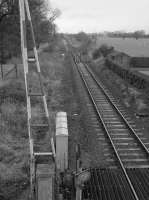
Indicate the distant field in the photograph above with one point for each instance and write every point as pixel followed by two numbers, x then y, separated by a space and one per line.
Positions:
pixel 130 46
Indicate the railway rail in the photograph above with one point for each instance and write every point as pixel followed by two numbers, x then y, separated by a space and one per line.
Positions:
pixel 117 131
pixel 110 184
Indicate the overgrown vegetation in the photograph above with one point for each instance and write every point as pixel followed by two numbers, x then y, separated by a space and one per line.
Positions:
pixel 122 34
pixel 44 26
pixel 14 144
pixel 14 165
pixel 103 50
pixel 84 41
pixel 14 147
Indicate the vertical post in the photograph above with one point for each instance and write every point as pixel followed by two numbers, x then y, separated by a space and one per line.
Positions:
pixel 2 75
pixel 81 178
pixel 78 194
pixel 32 33
pixel 32 170
pixel 25 65
pixel 16 69
pixel 77 157
pixel 78 188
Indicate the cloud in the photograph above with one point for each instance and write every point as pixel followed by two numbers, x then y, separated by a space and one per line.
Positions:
pixel 91 15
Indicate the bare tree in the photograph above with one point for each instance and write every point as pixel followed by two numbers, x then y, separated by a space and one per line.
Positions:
pixel 54 14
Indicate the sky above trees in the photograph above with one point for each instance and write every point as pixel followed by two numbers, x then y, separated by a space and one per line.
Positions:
pixel 101 15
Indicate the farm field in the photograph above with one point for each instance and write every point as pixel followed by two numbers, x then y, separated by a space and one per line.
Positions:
pixel 130 46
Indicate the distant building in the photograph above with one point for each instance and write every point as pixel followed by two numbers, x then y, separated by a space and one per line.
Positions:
pixel 120 58
pixel 126 61
pixel 139 62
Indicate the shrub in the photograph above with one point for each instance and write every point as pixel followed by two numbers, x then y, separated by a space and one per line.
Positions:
pixel 103 50
pixel 96 54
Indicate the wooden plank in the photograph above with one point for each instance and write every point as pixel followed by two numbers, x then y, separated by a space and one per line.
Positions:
pixel 45 188
pixel 43 153
pixel 45 181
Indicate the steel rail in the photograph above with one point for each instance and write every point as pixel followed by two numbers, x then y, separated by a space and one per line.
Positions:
pixel 118 111
pixel 108 134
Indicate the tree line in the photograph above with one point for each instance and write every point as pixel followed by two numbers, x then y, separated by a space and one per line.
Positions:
pixel 135 34
pixel 43 22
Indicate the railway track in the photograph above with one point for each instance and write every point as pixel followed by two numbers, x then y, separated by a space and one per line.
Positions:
pixel 110 184
pixel 117 132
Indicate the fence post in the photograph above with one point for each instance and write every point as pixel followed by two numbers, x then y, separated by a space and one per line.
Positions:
pixel 16 70
pixel 2 71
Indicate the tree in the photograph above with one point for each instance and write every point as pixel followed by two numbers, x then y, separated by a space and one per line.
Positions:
pixel 54 14
pixel 9 28
pixel 10 25
pixel 139 34
pixel 96 54
pixel 103 50
pixel 122 34
pixel 84 40
pixel 6 8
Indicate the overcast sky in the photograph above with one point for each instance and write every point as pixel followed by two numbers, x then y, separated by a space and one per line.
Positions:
pixel 102 15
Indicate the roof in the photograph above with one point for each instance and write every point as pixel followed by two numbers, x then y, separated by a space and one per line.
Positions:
pixel 131 46
pixel 140 61
pixel 118 53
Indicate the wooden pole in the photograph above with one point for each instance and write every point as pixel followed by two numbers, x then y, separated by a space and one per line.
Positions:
pixel 16 69
pixel 25 65
pixel 78 188
pixel 2 52
pixel 2 71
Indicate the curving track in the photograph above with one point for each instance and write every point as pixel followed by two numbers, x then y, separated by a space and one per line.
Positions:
pixel 117 131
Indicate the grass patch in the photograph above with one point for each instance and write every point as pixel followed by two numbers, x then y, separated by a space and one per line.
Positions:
pixel 14 144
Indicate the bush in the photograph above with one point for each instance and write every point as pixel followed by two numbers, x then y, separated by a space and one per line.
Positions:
pixel 14 90
pixel 103 50
pixel 96 54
